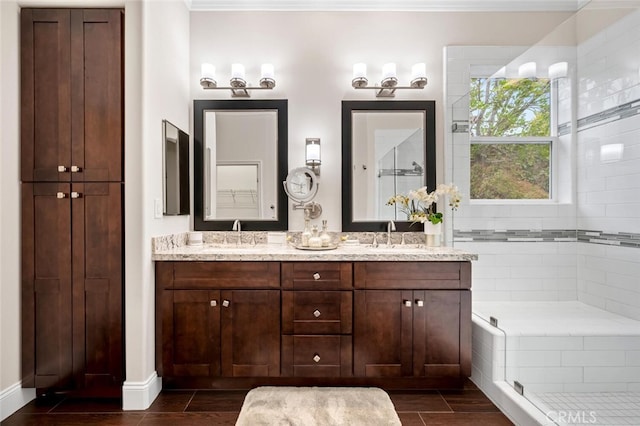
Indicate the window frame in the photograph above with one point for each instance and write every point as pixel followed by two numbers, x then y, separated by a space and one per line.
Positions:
pixel 552 139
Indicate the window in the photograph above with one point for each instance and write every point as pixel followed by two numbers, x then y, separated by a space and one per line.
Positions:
pixel 511 143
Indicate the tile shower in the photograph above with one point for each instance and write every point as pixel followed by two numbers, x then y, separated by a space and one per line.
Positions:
pixel 561 278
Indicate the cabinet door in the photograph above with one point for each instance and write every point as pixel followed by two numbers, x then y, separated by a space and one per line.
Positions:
pixel 45 94
pixel 97 95
pixel 437 333
pixel 46 285
pixel 71 95
pixel 97 285
pixel 250 333
pixel 383 333
pixel 191 333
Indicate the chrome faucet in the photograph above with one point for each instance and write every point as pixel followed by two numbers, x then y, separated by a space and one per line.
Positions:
pixel 391 226
pixel 237 227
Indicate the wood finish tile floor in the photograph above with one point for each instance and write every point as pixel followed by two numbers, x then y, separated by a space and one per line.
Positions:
pixel 468 406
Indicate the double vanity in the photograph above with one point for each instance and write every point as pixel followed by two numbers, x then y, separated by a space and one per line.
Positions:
pixel 238 316
pixel 237 312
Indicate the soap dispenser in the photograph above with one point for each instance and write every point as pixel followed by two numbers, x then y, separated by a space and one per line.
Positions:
pixel 315 241
pixel 325 237
pixel 306 234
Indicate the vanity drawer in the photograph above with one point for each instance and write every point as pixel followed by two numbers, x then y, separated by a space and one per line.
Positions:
pixel 317 356
pixel 226 275
pixel 412 275
pixel 317 312
pixel 317 275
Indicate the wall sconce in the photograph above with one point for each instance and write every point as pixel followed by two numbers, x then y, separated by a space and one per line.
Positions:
pixel 527 70
pixel 237 84
pixel 558 70
pixel 312 154
pixel 389 83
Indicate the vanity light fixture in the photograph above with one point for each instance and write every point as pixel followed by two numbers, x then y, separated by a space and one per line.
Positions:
pixel 237 84
pixel 389 83
pixel 527 70
pixel 558 70
pixel 312 154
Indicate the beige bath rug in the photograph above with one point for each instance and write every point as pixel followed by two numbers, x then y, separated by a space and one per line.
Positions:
pixel 317 406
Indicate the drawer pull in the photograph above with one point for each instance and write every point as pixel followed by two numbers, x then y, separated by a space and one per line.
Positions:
pixel 75 169
pixel 76 195
pixel 316 358
pixel 62 169
pixel 316 276
pixel 213 303
pixel 317 313
pixel 420 303
pixel 225 303
pixel 407 303
pixel 61 195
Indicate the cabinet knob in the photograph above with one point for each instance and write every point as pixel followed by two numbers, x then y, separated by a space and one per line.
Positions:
pixel 317 313
pixel 420 303
pixel 407 303
pixel 76 195
pixel 316 276
pixel 62 169
pixel 61 195
pixel 316 358
pixel 213 303
pixel 76 169
pixel 225 303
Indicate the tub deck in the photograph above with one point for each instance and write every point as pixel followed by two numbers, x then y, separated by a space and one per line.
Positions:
pixel 567 355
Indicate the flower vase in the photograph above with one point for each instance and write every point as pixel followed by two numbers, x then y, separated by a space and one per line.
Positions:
pixel 433 233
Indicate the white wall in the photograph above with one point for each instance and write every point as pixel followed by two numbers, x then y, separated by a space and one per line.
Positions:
pixel 313 54
pixel 157 79
pixel 10 211
pixel 609 186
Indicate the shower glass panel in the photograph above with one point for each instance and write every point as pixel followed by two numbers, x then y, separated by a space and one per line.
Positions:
pixel 554 271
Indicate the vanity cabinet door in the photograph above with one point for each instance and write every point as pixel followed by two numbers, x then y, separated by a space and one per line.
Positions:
pixel 441 341
pixel 191 333
pixel 418 333
pixel 383 333
pixel 250 333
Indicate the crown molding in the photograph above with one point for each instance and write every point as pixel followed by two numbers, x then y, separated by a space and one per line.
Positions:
pixel 390 5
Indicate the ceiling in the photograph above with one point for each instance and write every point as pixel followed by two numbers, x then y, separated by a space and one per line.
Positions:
pixel 391 5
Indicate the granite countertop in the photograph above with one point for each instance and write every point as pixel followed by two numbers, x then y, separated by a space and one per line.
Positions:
pixel 286 252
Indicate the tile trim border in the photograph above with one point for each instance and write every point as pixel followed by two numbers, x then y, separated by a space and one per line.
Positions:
pixel 626 110
pixel 622 239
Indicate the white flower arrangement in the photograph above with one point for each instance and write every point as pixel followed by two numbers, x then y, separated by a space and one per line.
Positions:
pixel 419 205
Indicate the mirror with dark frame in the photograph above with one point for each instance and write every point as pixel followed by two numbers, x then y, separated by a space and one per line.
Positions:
pixel 240 160
pixel 388 148
pixel 175 170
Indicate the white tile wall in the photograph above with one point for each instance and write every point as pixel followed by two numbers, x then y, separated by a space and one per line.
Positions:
pixel 523 270
pixel 608 67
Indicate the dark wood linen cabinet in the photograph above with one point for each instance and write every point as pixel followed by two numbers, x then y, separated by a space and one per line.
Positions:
pixel 72 200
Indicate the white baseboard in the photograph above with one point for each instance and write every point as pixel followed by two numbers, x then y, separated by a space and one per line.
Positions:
pixel 14 398
pixel 140 395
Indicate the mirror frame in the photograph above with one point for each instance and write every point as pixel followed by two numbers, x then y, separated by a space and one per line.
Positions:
pixel 348 107
pixel 199 108
pixel 184 189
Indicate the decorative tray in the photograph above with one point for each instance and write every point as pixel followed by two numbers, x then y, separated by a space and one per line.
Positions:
pixel 330 247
